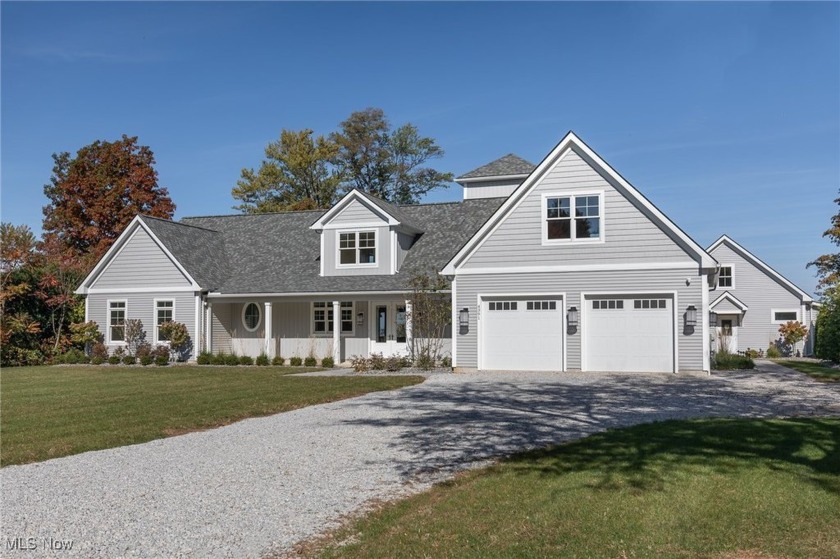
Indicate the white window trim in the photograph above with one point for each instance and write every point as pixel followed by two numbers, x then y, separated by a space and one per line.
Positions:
pixel 108 321
pixel 573 232
pixel 339 232
pixel 793 310
pixel 259 312
pixel 732 268
pixel 328 310
pixel 155 315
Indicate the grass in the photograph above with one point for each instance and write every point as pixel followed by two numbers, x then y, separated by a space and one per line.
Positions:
pixel 726 489
pixel 814 370
pixel 57 411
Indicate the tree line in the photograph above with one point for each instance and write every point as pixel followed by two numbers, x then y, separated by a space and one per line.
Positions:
pixel 93 195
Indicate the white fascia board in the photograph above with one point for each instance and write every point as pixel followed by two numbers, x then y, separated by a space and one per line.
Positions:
pixel 571 140
pixel 726 296
pixel 490 178
pixel 321 223
pixel 763 266
pixel 320 294
pixel 117 247
pixel 689 266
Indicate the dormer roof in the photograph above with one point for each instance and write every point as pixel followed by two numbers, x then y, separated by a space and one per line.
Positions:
pixel 390 213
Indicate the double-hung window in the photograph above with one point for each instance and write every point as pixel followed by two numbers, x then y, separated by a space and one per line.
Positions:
pixel 725 276
pixel 116 321
pixel 572 218
pixel 323 320
pixel 357 248
pixel 164 312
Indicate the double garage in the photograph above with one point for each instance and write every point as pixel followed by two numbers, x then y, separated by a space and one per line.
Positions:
pixel 625 332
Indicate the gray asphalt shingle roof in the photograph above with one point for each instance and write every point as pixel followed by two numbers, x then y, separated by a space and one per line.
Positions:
pixel 510 164
pixel 278 253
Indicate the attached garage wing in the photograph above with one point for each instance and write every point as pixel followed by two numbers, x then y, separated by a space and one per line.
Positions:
pixel 633 333
pixel 522 333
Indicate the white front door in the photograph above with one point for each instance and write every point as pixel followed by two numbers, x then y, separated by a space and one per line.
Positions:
pixel 388 329
pixel 727 335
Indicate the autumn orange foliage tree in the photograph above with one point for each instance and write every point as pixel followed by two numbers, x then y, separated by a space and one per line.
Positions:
pixel 93 196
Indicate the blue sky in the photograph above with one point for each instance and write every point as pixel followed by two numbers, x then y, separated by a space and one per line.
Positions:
pixel 725 115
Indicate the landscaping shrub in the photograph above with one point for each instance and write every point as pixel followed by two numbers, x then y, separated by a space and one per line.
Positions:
pixel 446 362
pixel 231 359
pixel 135 336
pixel 220 358
pixel 85 334
pixel 310 361
pixel 262 360
pixel 114 360
pixel 727 361
pixel 295 361
pixel 377 362
pixel 146 360
pixel 328 362
pixel 360 364
pixel 405 362
pixel 278 361
pixel 204 358
pixel 178 337
pixel 74 356
pixel 773 352
pixel 144 350
pixel 393 364
pixel 97 360
pixel 246 360
pixel 161 355
pixel 99 350
pixel 424 361
pixel 128 360
pixel 752 353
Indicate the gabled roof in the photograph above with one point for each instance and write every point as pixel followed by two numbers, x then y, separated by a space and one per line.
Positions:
pixel 391 213
pixel 727 296
pixel 279 253
pixel 571 141
pixel 143 222
pixel 510 165
pixel 761 265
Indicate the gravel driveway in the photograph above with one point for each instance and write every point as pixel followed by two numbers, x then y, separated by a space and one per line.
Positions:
pixel 261 485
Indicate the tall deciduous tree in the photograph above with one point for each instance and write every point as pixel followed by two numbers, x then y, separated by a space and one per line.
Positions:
pixel 295 175
pixel 389 164
pixel 94 195
pixel 828 321
pixel 828 265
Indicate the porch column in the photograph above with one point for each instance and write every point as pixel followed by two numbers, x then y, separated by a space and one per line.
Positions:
pixel 336 311
pixel 408 338
pixel 208 328
pixel 269 347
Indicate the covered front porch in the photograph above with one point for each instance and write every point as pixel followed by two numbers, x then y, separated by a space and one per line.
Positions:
pixel 338 326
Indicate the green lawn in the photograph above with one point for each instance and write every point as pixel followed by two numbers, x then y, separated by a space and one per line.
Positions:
pixel 814 370
pixel 725 489
pixel 55 411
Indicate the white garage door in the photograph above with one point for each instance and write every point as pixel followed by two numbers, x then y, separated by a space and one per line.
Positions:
pixel 629 333
pixel 522 334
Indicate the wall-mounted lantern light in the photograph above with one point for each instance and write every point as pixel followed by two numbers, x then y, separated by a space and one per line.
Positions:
pixel 464 317
pixel 713 318
pixel 572 317
pixel 691 316
pixel 360 318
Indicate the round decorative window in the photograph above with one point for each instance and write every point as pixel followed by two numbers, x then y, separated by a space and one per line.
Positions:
pixel 251 316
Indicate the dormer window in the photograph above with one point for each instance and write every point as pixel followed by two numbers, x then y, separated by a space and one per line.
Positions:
pixel 357 248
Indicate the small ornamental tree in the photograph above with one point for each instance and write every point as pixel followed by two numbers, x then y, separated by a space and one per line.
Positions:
pixel 135 336
pixel 85 334
pixel 429 316
pixel 792 332
pixel 177 335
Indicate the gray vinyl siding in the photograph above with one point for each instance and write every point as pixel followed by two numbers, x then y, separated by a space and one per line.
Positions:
pixel 142 306
pixel 142 258
pixel 355 213
pixel 330 255
pixel 726 307
pixel 630 236
pixel 760 293
pixel 490 189
pixel 690 345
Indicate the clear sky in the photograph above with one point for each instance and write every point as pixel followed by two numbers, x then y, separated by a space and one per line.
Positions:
pixel 725 115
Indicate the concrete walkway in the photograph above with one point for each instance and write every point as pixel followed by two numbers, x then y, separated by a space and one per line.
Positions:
pixel 260 485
